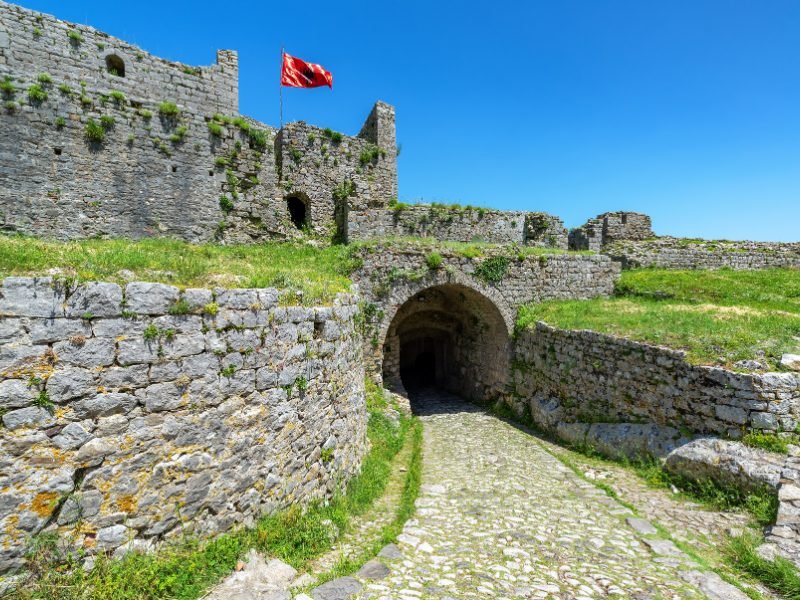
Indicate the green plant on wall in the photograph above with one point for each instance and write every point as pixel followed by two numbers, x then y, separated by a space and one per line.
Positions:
pixel 168 109
pixel 433 260
pixel 36 94
pixel 492 269
pixel 94 131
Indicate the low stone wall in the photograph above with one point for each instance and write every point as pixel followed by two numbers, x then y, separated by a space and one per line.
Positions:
pixel 133 414
pixel 677 253
pixel 464 224
pixel 585 377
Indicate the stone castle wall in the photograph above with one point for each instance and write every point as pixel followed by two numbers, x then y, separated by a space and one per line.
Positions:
pixel 130 415
pixel 568 377
pixel 677 253
pixel 202 174
pixel 78 55
pixel 333 174
pixel 462 224
pixel 610 227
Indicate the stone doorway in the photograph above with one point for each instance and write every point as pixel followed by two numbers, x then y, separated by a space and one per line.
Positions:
pixel 450 337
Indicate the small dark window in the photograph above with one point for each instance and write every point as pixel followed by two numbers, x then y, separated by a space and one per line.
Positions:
pixel 57 151
pixel 174 169
pixel 211 173
pixel 115 65
pixel 297 211
pixel 318 327
pixel 624 219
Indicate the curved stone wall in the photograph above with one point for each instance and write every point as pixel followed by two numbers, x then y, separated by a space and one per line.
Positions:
pixel 132 414
pixel 583 377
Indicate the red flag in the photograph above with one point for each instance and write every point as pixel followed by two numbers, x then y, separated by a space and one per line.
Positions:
pixel 299 73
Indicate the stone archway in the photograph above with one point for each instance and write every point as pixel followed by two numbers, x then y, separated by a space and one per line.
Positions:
pixel 451 336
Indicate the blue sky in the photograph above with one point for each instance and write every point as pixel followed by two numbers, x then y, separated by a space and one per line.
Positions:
pixel 686 110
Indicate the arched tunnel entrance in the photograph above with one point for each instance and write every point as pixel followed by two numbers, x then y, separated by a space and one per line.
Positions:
pixel 448 336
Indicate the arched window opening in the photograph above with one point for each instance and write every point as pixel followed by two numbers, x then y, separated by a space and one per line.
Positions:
pixel 115 65
pixel 298 211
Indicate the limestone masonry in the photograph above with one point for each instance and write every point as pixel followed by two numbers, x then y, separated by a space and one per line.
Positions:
pixel 127 423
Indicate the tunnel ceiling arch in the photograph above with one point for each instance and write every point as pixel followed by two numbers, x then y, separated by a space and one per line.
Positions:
pixel 449 335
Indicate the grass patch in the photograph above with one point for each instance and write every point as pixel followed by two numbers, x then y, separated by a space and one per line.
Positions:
pixel 779 575
pixel 187 568
pixel 319 273
pixel 766 441
pixel 717 317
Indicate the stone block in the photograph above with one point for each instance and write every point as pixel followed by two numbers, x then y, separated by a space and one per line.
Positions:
pixel 132 377
pixel 150 298
pixel 731 414
pixel 763 420
pixel 16 393
pixel 92 352
pixel 138 350
pixel 197 298
pixel 31 297
pixel 68 383
pixel 104 405
pixel 44 331
pixel 71 437
pixel 163 397
pixel 32 416
pixel 96 299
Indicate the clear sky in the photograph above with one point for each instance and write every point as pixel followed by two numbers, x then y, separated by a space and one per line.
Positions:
pixel 688 110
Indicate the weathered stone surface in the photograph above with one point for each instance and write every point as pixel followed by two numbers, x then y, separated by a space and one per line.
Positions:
pixel 713 586
pixel 71 437
pixel 338 589
pixel 152 425
pixel 31 297
pixel 91 352
pixel 104 405
pixel 32 416
pixel 69 383
pixel 95 299
pixel 791 361
pixel 727 462
pixel 373 569
pixel 641 526
pixel 52 330
pixel 112 537
pixel 16 393
pixel 150 298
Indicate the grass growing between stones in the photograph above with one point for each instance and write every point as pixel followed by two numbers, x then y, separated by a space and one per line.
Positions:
pixel 187 568
pixel 319 273
pixel 717 317
pixel 404 511
pixel 779 575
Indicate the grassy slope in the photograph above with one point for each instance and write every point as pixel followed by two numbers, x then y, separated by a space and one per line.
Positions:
pixel 188 568
pixel 320 273
pixel 718 317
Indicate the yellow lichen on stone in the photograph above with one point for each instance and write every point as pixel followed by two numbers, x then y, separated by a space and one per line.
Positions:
pixel 44 503
pixel 127 503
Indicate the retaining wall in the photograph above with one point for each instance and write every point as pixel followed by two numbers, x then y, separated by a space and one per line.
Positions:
pixel 566 376
pixel 677 253
pixel 125 422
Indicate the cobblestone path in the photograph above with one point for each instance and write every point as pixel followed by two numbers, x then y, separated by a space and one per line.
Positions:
pixel 500 517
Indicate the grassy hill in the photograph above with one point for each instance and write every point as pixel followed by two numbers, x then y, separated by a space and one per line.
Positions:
pixel 718 317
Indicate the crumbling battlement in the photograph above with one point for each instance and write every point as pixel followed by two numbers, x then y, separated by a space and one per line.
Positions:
pixel 610 227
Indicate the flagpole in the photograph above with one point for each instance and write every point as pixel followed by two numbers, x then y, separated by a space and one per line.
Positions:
pixel 280 86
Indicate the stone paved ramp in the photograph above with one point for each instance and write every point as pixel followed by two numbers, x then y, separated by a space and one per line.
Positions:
pixel 499 517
